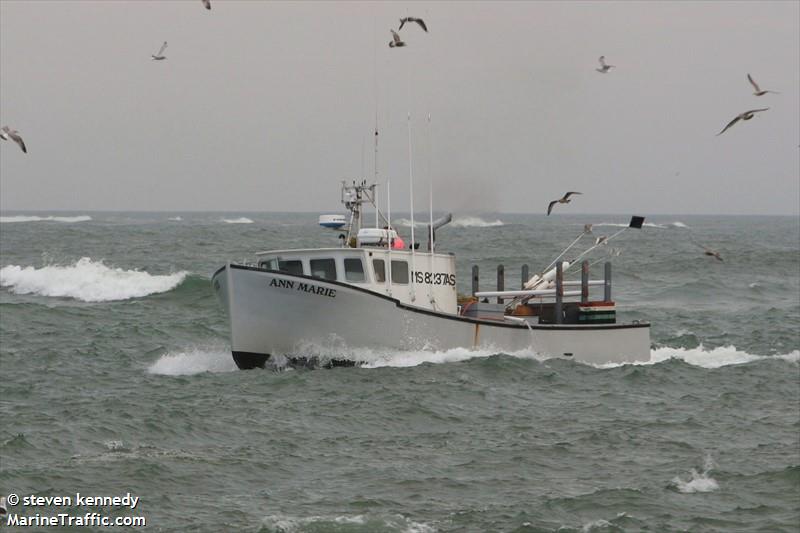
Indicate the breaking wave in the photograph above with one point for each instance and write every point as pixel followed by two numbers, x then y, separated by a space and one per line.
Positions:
pixel 715 357
pixel 407 223
pixel 376 358
pixel 176 219
pixel 240 220
pixel 194 361
pixel 460 222
pixel 697 482
pixel 23 218
pixel 475 222
pixel 676 224
pixel 87 280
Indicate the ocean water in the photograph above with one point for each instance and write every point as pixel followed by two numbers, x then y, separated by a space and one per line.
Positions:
pixel 117 378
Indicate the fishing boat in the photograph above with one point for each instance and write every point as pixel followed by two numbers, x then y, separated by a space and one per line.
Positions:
pixel 370 295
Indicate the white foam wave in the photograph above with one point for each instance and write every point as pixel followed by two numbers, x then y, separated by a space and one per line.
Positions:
pixel 475 222
pixel 460 222
pixel 23 218
pixel 194 361
pixel 646 224
pixel 177 219
pixel 698 482
pixel 240 220
pixel 86 280
pixel 371 358
pixel 407 223
pixel 716 357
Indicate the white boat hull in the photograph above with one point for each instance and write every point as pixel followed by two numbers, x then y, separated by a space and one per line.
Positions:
pixel 276 314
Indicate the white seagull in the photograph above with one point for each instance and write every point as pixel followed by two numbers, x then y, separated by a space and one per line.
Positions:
pixel 603 66
pixel 396 41
pixel 160 55
pixel 413 19
pixel 758 92
pixel 563 200
pixel 7 133
pixel 207 3
pixel 747 115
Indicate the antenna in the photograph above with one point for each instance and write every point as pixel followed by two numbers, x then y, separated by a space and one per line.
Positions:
pixel 411 193
pixel 375 91
pixel 430 185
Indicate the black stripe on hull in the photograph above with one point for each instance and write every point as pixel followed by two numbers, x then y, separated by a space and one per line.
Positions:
pixel 250 360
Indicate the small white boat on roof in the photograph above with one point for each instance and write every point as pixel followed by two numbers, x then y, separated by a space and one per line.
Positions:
pixel 372 294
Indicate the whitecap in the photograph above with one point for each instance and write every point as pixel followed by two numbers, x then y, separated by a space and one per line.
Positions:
pixel 87 280
pixel 176 219
pixel 407 223
pixel 698 482
pixel 475 222
pixel 240 220
pixel 646 224
pixel 23 218
pixel 195 360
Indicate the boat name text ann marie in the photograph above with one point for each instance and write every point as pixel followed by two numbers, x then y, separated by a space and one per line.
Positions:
pixel 305 287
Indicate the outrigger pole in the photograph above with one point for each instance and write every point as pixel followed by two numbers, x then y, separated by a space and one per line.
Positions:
pixel 636 223
pixel 548 274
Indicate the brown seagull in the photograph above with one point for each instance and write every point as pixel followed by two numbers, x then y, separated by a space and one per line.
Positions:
pixel 747 115
pixel 563 200
pixel 712 253
pixel 207 3
pixel 7 133
pixel 395 42
pixel 412 19
pixel 758 92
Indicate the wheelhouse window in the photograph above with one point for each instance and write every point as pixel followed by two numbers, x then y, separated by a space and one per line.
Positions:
pixel 354 269
pixel 294 266
pixel 270 264
pixel 400 272
pixel 380 270
pixel 323 268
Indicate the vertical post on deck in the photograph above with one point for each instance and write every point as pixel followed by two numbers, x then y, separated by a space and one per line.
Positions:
pixel 607 284
pixel 501 281
pixel 559 293
pixel 474 279
pixel 525 277
pixel 585 282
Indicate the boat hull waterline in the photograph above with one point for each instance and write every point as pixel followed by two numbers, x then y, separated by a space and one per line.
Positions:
pixel 275 314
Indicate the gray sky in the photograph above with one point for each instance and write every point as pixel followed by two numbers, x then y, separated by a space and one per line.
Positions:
pixel 267 106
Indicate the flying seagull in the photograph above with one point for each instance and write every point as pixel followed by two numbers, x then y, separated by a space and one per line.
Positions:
pixel 564 200
pixel 7 133
pixel 412 19
pixel 712 253
pixel 758 92
pixel 207 3
pixel 603 66
pixel 395 42
pixel 159 56
pixel 708 251
pixel 747 115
